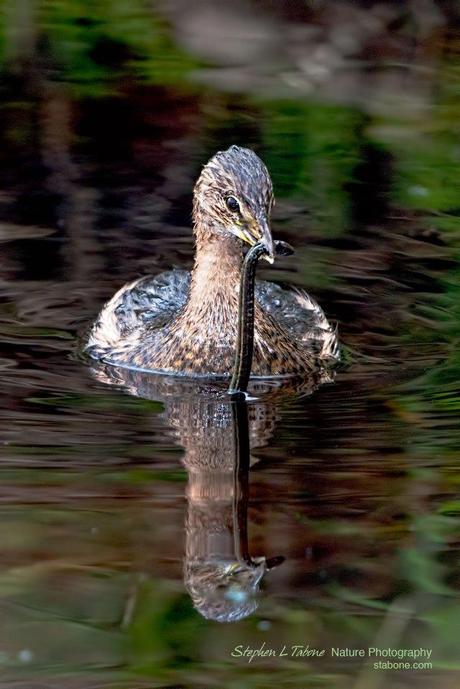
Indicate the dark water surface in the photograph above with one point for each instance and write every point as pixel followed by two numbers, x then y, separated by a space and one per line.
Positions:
pixel 115 487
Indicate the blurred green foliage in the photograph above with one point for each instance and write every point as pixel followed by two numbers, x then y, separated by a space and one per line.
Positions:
pixel 313 149
pixel 94 47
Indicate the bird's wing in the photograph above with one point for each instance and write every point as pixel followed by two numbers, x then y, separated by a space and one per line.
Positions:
pixel 148 301
pixel 151 299
pixel 301 315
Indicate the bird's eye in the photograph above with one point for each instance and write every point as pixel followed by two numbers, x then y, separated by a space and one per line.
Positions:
pixel 232 204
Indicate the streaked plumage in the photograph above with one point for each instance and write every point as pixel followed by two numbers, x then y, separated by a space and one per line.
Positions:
pixel 186 323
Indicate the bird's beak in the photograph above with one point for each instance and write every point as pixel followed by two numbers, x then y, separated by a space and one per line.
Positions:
pixel 259 231
pixel 267 240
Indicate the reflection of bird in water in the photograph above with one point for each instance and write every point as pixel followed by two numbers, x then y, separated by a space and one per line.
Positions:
pixel 181 322
pixel 221 576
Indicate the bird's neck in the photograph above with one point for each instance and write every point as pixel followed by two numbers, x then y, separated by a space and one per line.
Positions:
pixel 215 275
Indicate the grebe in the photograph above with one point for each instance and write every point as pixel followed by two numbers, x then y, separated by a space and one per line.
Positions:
pixel 186 323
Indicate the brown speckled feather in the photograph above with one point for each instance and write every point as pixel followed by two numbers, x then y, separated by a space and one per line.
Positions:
pixel 188 325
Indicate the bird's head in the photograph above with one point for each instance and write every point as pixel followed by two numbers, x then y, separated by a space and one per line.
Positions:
pixel 234 195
